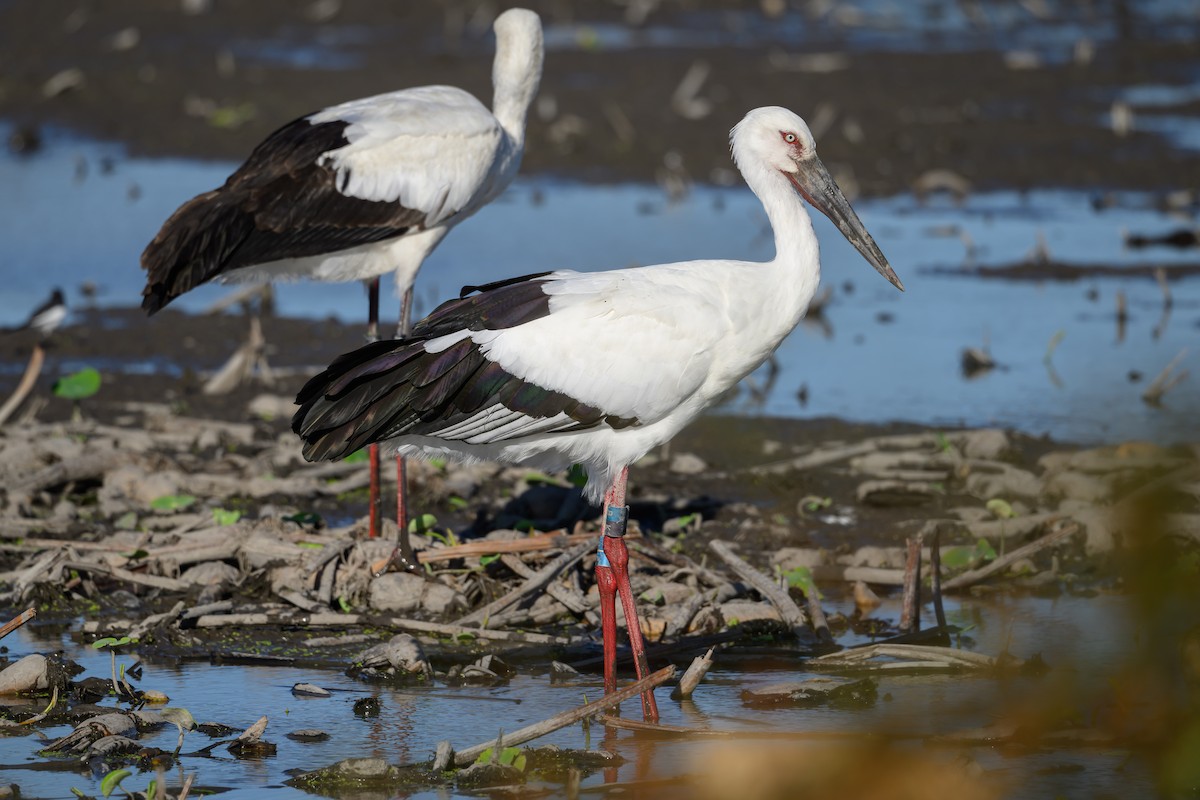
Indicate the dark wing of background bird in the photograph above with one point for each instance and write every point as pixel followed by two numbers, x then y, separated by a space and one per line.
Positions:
pixel 282 203
pixel 387 389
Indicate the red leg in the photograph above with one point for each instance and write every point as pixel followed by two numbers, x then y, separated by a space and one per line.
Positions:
pixel 375 503
pixel 608 620
pixel 617 555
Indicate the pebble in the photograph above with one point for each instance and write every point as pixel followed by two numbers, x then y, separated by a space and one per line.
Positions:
pixel 309 735
pixel 402 592
pixel 30 674
pixel 310 690
pixel 210 573
pixel 402 653
pixel 687 464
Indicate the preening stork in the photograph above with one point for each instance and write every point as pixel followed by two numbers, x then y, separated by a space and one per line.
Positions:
pixel 357 190
pixel 594 368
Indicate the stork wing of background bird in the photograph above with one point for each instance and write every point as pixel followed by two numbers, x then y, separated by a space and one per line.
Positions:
pixel 350 175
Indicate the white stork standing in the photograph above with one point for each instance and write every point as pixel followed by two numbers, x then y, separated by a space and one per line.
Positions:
pixel 358 190
pixel 594 368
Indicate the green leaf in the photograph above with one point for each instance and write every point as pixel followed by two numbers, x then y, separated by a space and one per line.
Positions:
pixel 111 641
pixel 957 557
pixel 437 463
pixel 485 560
pixel 229 117
pixel 508 755
pixel 305 518
pixel 485 757
pixel 136 554
pixel 112 780
pixel 172 502
pixel 344 604
pixel 519 763
pixel 152 789
pixel 357 457
pixel 456 503
pixel 225 516
pixel 965 555
pixel 985 550
pixel 422 523
pixel 78 385
pixel 1000 508
pixel 814 503
pixel 801 578
pixel 577 475
pixel 943 443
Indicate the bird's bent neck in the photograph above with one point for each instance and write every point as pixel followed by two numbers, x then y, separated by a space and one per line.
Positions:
pixel 796 248
pixel 515 76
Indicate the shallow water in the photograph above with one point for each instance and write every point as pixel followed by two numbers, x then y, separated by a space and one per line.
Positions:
pixel 1084 641
pixel 80 211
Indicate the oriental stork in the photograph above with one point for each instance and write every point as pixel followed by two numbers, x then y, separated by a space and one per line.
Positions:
pixel 357 190
pixel 594 368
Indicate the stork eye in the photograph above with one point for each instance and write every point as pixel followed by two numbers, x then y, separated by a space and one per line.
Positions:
pixel 790 138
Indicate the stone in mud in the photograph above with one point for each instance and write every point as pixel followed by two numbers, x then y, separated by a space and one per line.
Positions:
pixel 30 674
pixel 405 591
pixel 139 486
pixel 210 573
pixel 1005 482
pixel 789 558
pixel 886 493
pixel 1071 485
pixel 986 444
pixel 479 776
pixel 1099 528
pixel 667 593
pixel 865 600
pixel 352 773
pixel 687 464
pixel 402 653
pixel 308 735
pixel 271 406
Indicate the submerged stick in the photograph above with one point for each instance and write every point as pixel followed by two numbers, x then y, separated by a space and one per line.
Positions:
pixel 467 757
pixel 935 578
pixel 332 620
pixel 792 614
pixel 32 370
pixel 695 673
pixel 910 617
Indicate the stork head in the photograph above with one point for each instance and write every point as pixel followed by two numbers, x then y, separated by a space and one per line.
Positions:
pixel 517 69
pixel 775 140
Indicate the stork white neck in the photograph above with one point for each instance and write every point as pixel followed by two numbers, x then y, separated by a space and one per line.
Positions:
pixel 517 69
pixel 797 253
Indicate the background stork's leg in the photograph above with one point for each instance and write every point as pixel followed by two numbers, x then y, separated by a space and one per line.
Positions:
pixel 615 515
pixel 407 559
pixel 375 504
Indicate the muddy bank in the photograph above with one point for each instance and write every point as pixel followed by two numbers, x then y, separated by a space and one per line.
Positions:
pixel 990 101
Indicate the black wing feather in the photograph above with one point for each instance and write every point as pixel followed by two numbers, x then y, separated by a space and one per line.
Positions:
pixel 280 204
pixel 389 389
